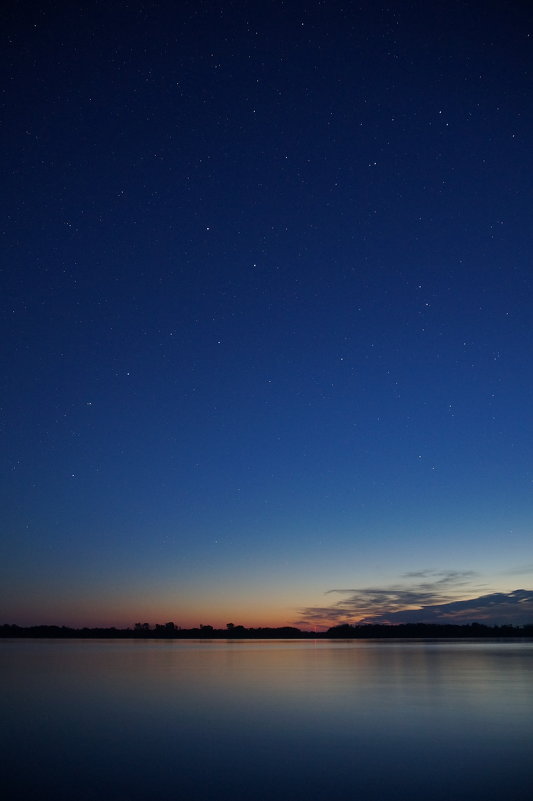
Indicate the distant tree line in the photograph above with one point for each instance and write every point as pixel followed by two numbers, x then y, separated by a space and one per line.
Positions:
pixel 407 630
pixel 343 631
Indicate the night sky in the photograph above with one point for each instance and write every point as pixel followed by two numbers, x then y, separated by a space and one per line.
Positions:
pixel 267 312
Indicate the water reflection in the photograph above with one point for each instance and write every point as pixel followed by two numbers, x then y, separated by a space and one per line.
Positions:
pixel 119 720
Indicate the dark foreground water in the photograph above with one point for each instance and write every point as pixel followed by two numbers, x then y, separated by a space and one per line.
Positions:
pixel 259 720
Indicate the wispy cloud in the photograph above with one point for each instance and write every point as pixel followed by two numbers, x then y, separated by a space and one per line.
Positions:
pixel 437 596
pixel 496 608
pixel 443 576
pixel 519 570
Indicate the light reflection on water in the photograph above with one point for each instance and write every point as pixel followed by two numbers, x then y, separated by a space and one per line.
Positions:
pixel 202 721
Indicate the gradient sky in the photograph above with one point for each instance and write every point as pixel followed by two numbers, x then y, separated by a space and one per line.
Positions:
pixel 267 311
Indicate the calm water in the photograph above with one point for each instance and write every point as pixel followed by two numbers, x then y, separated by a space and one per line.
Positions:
pixel 258 720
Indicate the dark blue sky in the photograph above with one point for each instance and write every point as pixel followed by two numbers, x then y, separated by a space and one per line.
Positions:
pixel 267 306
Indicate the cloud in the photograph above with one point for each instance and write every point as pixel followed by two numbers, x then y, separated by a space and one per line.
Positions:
pixel 444 576
pixel 497 608
pixel 437 596
pixel 520 570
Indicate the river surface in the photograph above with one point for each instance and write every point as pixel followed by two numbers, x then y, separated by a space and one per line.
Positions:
pixel 320 720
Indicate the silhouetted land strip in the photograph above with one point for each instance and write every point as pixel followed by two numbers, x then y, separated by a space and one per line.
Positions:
pixel 345 631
